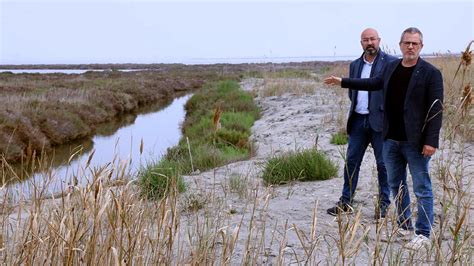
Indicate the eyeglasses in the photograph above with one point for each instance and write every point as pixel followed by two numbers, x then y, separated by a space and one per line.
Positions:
pixel 414 44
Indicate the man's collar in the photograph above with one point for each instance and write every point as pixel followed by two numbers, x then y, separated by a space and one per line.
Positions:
pixel 367 62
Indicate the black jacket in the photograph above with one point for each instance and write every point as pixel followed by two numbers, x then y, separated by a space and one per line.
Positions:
pixel 423 103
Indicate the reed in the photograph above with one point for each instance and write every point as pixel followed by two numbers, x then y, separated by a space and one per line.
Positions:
pixel 108 222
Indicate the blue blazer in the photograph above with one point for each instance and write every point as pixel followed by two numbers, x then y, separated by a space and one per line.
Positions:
pixel 375 97
pixel 423 102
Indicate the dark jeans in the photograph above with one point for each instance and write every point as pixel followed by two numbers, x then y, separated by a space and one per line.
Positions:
pixel 360 135
pixel 397 154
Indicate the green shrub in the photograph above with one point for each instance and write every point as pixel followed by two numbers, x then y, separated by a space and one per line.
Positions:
pixel 202 130
pixel 307 165
pixel 209 147
pixel 157 181
pixel 238 184
pixel 226 94
pixel 233 154
pixel 239 121
pixel 232 137
pixel 340 138
pixel 204 156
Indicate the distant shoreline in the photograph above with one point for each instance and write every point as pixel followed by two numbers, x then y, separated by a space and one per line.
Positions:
pixel 157 66
pixel 236 61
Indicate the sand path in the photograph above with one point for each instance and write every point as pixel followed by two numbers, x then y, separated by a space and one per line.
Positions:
pixel 292 122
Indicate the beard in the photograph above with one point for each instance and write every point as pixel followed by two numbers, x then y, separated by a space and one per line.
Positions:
pixel 370 50
pixel 411 56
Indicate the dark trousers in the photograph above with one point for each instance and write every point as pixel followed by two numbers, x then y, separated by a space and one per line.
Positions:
pixel 360 135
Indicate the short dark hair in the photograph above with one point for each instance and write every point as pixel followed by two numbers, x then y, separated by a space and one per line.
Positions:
pixel 412 30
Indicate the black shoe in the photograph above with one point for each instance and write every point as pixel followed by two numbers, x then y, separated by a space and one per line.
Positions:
pixel 340 208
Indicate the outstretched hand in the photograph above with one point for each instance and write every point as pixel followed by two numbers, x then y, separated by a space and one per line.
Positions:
pixel 332 80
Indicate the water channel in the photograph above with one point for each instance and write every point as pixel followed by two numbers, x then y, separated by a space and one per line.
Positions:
pixel 118 144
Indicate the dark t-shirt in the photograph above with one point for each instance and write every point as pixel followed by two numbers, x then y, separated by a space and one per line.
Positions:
pixel 397 90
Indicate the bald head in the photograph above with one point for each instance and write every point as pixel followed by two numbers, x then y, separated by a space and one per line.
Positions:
pixel 369 32
pixel 369 39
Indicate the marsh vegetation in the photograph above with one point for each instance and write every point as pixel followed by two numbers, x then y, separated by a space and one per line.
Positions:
pixel 236 218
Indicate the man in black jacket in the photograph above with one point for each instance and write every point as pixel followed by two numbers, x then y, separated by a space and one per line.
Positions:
pixel 364 126
pixel 413 95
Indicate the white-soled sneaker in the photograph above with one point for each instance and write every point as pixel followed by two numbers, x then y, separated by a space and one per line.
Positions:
pixel 418 242
pixel 404 234
pixel 399 234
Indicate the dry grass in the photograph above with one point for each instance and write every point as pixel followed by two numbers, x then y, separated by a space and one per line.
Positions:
pixel 451 168
pixel 280 86
pixel 108 224
pixel 38 112
pixel 301 82
pixel 104 224
pixel 340 69
pixel 274 85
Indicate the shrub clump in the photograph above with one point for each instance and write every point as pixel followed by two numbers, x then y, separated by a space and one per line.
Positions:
pixel 217 125
pixel 340 138
pixel 159 180
pixel 306 165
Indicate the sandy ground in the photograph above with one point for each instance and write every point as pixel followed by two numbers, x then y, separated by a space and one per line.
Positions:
pixel 283 215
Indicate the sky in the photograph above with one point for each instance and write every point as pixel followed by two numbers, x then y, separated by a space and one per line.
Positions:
pixel 145 31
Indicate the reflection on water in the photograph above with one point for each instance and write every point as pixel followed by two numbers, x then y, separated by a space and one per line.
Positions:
pixel 117 142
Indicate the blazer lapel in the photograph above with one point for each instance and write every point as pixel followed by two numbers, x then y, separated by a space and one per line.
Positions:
pixel 376 67
pixel 358 69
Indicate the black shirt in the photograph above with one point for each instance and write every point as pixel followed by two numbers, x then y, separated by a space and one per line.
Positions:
pixel 395 102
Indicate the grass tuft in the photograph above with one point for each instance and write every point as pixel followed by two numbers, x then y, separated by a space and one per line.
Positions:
pixel 157 181
pixel 340 138
pixel 307 165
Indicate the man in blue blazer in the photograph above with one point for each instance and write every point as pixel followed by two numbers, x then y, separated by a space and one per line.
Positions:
pixel 364 126
pixel 413 95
